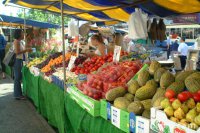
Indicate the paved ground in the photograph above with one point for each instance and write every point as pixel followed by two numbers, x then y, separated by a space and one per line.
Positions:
pixel 19 116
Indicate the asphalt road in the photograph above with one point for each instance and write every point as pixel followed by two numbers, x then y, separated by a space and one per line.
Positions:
pixel 19 116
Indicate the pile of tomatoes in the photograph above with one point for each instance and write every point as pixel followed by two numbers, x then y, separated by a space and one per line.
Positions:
pixel 94 63
pixel 183 96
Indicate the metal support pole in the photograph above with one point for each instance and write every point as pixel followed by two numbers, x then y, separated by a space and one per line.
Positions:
pixel 63 42
pixel 10 34
pixel 25 26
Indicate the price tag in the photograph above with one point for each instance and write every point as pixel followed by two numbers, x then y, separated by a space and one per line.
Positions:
pixel 117 52
pixel 115 116
pixel 132 121
pixel 71 63
pixel 108 111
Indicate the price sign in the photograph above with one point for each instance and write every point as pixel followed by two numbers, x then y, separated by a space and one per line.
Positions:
pixel 71 63
pixel 115 117
pixel 117 52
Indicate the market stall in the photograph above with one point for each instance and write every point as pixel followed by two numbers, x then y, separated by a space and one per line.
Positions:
pixel 116 92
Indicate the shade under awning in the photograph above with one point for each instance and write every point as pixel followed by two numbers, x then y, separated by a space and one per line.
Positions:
pixel 113 10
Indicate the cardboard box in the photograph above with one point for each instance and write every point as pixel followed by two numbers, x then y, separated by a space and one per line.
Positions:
pixel 90 105
pixel 127 122
pixel 161 124
pixel 120 118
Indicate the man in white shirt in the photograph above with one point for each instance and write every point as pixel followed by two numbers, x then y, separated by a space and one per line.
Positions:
pixel 169 45
pixel 183 51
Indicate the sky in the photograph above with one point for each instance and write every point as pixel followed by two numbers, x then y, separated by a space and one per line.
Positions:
pixel 8 10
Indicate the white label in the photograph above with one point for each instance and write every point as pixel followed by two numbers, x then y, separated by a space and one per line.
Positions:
pixel 142 125
pixel 117 52
pixel 115 116
pixel 71 63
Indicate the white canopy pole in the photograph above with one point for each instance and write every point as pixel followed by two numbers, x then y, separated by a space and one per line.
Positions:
pixel 63 42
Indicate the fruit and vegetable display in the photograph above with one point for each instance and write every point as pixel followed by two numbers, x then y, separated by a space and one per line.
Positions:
pixel 151 87
pixel 184 109
pixel 71 78
pixel 37 61
pixel 94 63
pixel 135 56
pixel 49 68
pixel 109 77
pixel 51 56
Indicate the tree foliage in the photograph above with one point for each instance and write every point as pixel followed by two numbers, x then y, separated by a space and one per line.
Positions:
pixel 42 16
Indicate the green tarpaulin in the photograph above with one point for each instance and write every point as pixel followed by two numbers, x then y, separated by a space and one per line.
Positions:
pixel 30 85
pixel 60 110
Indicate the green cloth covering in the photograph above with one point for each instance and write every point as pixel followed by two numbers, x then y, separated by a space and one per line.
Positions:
pixel 80 121
pixel 30 85
pixel 51 104
pixel 60 110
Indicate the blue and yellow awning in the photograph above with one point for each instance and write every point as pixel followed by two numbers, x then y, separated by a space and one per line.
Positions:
pixel 113 10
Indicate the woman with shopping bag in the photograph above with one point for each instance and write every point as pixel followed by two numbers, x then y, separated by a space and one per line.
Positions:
pixel 20 52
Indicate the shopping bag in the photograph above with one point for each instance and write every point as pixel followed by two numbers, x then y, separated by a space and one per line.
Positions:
pixel 10 57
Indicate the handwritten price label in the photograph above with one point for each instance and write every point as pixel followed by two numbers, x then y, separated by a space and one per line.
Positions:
pixel 117 52
pixel 115 116
pixel 71 63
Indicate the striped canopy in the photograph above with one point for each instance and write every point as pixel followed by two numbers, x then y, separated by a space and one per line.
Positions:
pixel 112 10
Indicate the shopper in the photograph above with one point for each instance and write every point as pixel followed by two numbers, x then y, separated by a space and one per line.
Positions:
pixel 2 52
pixel 169 46
pixel 183 51
pixel 174 47
pixel 20 51
pixel 97 41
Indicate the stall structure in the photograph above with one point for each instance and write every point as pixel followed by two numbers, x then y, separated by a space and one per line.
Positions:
pixel 16 21
pixel 74 111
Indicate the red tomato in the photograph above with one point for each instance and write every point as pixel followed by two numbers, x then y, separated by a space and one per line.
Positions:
pixel 189 94
pixel 172 99
pixel 170 94
pixel 183 97
pixel 90 94
pixel 77 72
pixel 196 97
pixel 95 96
pixel 198 92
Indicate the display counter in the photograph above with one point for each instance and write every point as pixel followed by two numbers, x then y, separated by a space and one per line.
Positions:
pixel 60 110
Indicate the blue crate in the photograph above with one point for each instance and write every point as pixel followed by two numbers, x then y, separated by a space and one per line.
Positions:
pixel 58 82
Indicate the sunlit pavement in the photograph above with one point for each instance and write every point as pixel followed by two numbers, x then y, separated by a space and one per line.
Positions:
pixel 18 116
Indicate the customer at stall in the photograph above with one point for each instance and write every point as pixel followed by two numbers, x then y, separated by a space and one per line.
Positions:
pixel 2 52
pixel 183 51
pixel 19 51
pixel 174 48
pixel 169 43
pixel 97 41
